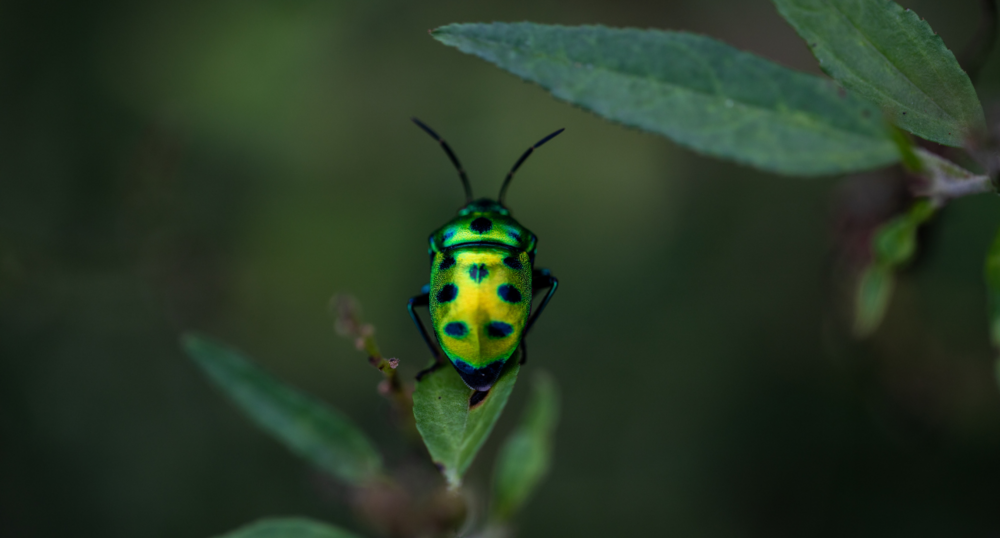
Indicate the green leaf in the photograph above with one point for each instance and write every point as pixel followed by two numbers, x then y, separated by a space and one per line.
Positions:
pixel 993 288
pixel 452 431
pixel 896 241
pixel 872 299
pixel 296 527
pixel 695 90
pixel 307 426
pixel 893 246
pixel 890 56
pixel 525 457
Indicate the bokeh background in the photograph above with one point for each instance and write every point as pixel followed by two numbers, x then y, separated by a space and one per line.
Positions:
pixel 227 166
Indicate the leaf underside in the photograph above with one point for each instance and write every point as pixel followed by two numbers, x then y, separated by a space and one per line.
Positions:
pixel 695 90
pixel 307 426
pixel 890 56
pixel 452 432
pixel 288 528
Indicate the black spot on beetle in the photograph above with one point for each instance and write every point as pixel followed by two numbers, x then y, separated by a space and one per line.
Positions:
pixel 515 235
pixel 447 235
pixel 509 293
pixel 447 293
pixel 478 397
pixel 499 329
pixel 481 225
pixel 456 329
pixel 478 273
pixel 513 263
pixel 447 262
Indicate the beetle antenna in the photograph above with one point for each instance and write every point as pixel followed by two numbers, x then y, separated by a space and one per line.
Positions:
pixel 451 155
pixel 510 175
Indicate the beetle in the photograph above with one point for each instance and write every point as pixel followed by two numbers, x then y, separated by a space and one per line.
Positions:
pixel 482 283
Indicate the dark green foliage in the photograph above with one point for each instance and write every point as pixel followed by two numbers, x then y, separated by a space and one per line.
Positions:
pixel 452 431
pixel 893 246
pixel 695 90
pixel 310 428
pixel 890 56
pixel 526 455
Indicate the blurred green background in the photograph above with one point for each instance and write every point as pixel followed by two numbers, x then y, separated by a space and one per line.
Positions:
pixel 228 166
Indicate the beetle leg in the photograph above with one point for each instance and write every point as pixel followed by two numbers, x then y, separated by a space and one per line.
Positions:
pixel 424 300
pixel 541 279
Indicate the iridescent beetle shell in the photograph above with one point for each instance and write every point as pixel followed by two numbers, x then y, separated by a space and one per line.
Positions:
pixel 481 284
pixel 480 290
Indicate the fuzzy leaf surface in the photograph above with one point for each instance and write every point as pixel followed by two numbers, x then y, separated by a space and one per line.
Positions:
pixel 525 457
pixel 452 431
pixel 891 56
pixel 307 426
pixel 295 527
pixel 697 91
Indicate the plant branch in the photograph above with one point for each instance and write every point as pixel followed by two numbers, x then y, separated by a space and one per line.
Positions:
pixel 943 180
pixel 348 324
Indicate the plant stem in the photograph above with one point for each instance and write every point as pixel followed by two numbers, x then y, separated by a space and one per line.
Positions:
pixel 950 188
pixel 348 323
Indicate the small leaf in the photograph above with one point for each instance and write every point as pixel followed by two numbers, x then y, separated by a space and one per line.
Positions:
pixel 307 426
pixel 896 241
pixel 872 299
pixel 993 288
pixel 296 527
pixel 695 90
pixel 525 457
pixel 891 56
pixel 893 246
pixel 452 431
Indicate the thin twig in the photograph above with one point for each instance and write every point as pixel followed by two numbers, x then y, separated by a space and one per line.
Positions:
pixel 348 324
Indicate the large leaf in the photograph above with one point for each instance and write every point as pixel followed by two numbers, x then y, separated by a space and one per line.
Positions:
pixel 454 427
pixel 296 527
pixel 993 288
pixel 892 57
pixel 307 426
pixel 525 457
pixel 695 90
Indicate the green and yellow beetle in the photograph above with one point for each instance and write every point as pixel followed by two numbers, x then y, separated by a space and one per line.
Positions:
pixel 482 283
